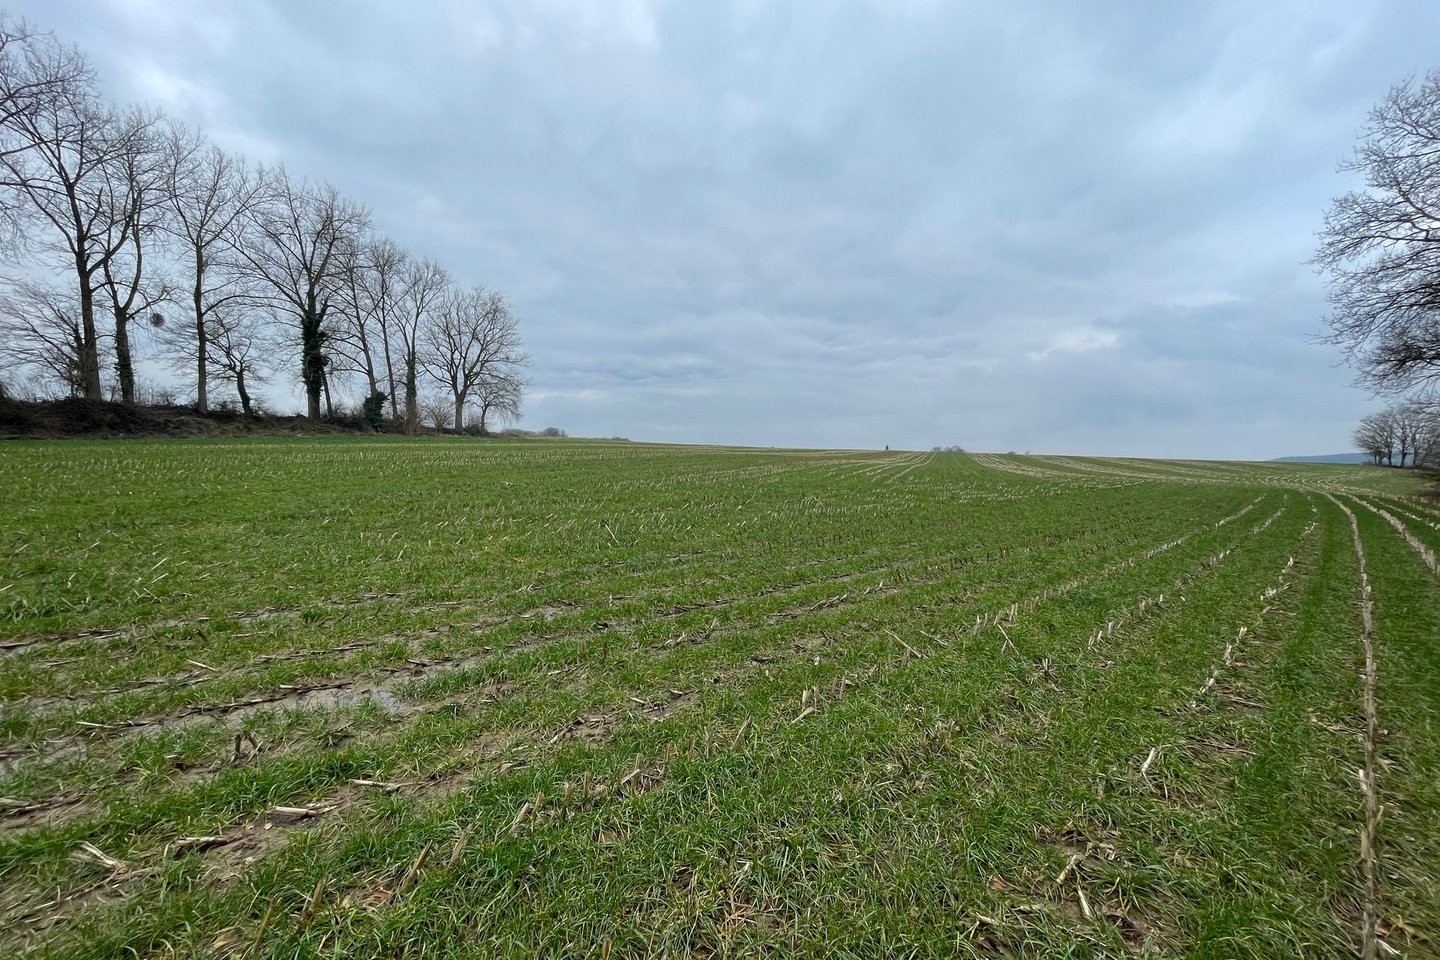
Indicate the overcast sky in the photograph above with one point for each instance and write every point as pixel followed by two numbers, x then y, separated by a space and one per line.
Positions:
pixel 1047 227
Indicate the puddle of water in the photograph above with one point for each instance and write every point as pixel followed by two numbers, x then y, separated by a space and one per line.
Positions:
pixel 337 698
pixel 329 698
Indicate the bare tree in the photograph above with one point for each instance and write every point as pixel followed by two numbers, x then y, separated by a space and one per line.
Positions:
pixel 367 290
pixel 472 337
pixel 238 344
pixel 34 71
pixel 1381 247
pixel 98 186
pixel 385 284
pixel 40 328
pixel 1426 440
pixel 1407 427
pixel 1375 437
pixel 499 397
pixel 60 156
pixel 1409 430
pixel 425 287
pixel 211 194
pixel 301 232
pixel 135 197
pixel 436 410
pixel 1417 422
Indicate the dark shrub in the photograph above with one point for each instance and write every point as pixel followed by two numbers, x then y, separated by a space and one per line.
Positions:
pixel 374 409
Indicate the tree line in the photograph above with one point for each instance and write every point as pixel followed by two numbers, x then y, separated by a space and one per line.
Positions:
pixel 1408 431
pixel 122 226
pixel 1380 250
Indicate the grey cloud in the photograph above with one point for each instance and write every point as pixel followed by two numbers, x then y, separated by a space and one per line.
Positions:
pixel 1041 226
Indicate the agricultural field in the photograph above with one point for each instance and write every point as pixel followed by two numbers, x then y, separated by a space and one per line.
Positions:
pixel 346 698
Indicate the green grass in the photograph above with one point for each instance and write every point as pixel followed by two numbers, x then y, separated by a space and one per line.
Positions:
pixel 645 701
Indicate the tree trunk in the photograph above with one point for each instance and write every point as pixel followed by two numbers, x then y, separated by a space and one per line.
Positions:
pixel 412 400
pixel 325 383
pixel 124 366
pixel 370 376
pixel 459 412
pixel 90 343
pixel 312 357
pixel 390 375
pixel 245 411
pixel 202 342
pixel 313 385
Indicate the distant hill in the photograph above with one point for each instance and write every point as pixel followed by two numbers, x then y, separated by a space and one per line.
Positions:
pixel 1326 458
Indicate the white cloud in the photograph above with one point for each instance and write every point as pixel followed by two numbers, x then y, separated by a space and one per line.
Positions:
pixel 1198 299
pixel 1075 340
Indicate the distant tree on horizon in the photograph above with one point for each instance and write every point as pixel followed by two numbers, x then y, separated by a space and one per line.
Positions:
pixel 1409 430
pixel 473 344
